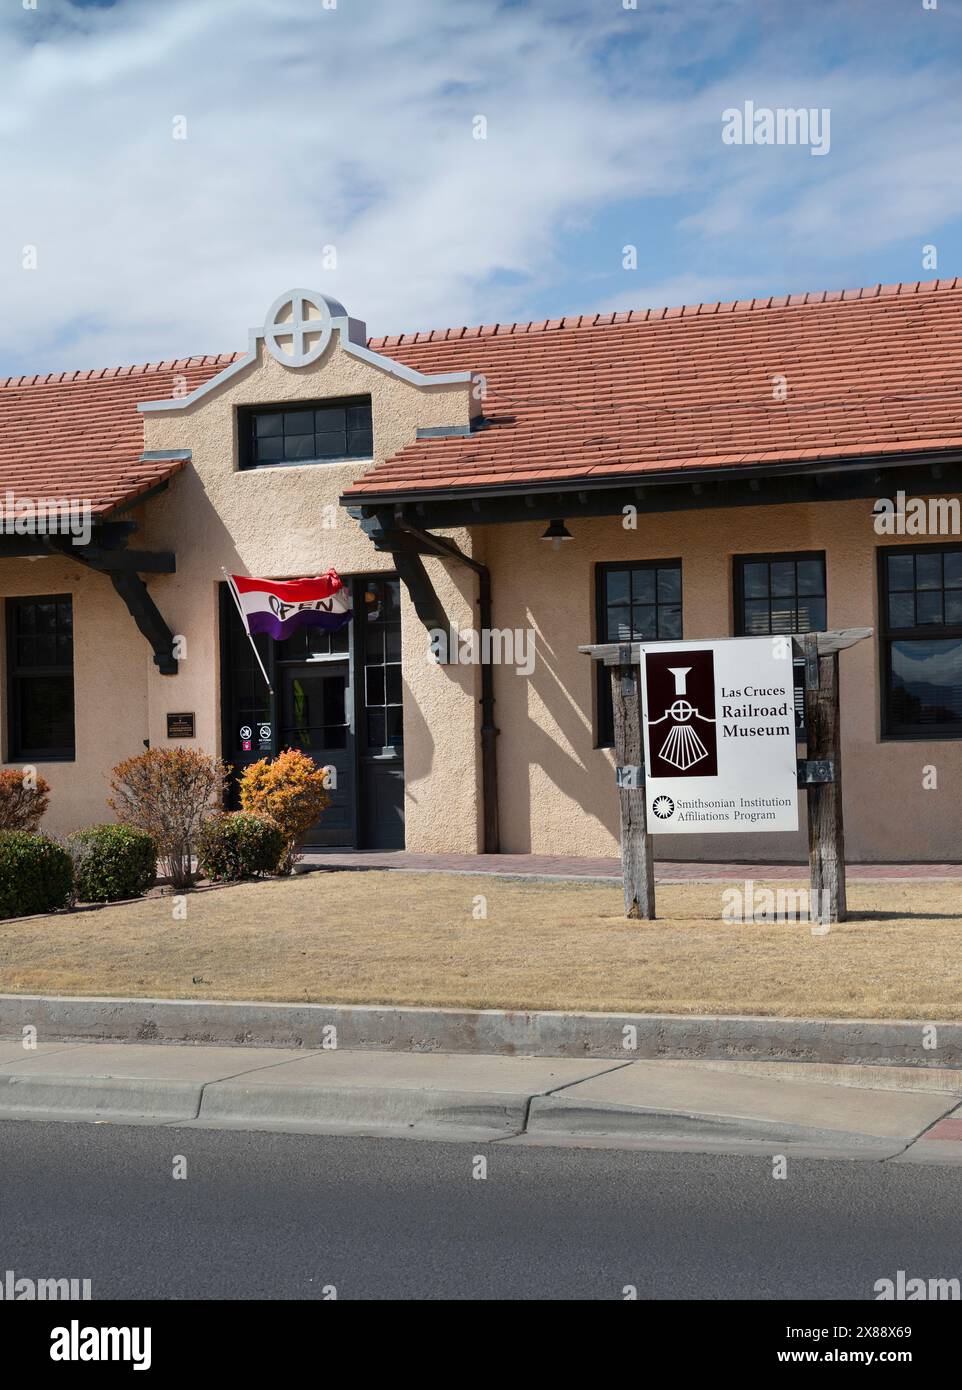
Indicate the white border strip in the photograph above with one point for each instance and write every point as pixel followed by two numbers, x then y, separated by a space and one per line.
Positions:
pixel 353 339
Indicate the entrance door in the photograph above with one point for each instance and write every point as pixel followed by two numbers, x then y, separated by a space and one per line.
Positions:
pixel 315 718
pixel 337 696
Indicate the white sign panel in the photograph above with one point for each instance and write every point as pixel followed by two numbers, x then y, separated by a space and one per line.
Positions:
pixel 719 730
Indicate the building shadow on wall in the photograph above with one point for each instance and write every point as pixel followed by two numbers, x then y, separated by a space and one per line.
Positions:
pixel 590 787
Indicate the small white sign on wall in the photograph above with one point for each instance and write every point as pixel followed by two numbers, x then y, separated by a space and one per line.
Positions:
pixel 719 729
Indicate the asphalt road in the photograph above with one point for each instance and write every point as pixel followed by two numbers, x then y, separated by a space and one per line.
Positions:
pixel 267 1216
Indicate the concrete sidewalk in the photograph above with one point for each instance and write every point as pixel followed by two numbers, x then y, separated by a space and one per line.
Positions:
pixel 565 866
pixel 810 1110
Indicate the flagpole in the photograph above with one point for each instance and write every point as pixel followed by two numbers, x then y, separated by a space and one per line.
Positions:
pixel 243 618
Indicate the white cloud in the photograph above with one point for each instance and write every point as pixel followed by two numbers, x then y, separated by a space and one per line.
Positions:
pixel 353 127
pixel 892 170
pixel 306 127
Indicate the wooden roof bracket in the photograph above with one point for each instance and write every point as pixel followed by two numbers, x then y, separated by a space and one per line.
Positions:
pixel 108 554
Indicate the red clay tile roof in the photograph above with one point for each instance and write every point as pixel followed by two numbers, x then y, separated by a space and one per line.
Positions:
pixel 597 397
pixel 629 395
pixel 78 435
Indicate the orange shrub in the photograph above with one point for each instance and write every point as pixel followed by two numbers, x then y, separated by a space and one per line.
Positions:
pixel 169 793
pixel 23 799
pixel 288 791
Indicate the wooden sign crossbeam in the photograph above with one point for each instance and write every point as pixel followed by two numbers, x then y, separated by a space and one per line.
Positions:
pixel 820 773
pixel 828 642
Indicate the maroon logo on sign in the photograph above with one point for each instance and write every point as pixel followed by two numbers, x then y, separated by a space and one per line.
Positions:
pixel 680 690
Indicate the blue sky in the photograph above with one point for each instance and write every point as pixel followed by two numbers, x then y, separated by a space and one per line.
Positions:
pixel 354 128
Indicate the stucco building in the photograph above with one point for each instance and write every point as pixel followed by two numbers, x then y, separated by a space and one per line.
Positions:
pixel 699 472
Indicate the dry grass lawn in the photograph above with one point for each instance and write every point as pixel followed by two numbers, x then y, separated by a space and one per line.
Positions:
pixel 400 938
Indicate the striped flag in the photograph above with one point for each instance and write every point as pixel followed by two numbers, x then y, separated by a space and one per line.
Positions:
pixel 282 607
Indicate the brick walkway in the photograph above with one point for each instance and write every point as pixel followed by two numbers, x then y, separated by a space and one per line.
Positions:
pixel 565 866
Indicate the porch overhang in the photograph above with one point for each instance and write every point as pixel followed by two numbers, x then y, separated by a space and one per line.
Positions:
pixel 106 550
pixel 687 488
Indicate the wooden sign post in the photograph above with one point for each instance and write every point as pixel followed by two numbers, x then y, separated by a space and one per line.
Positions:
pixel 637 866
pixel 820 773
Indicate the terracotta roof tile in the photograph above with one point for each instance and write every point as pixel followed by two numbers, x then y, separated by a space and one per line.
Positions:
pixel 79 436
pixel 870 370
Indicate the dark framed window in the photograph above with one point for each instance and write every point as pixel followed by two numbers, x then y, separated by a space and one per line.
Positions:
pixel 383 713
pixel 315 432
pixel 40 678
pixel 920 609
pixel 313 642
pixel 780 593
pixel 635 602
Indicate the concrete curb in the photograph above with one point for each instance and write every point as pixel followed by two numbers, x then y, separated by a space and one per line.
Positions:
pixel 322 1091
pixel 493 1032
pixel 705 1107
pixel 311 1108
pixel 555 1118
pixel 123 1100
pixel 363 1110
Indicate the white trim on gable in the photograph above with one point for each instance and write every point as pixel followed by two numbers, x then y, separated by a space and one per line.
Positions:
pixel 352 334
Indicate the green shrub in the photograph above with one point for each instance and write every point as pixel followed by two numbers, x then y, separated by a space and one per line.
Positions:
pixel 111 862
pixel 238 845
pixel 36 874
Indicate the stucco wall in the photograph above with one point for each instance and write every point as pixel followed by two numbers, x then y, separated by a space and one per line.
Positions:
pixel 557 790
pixel 280 522
pixel 111 660
pixel 276 522
pixel 442 768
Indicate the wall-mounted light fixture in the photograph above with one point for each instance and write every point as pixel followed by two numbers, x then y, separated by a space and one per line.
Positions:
pixel 556 532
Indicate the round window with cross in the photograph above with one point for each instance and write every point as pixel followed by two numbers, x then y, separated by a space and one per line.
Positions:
pixel 298 326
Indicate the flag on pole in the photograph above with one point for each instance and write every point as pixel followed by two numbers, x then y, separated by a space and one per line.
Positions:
pixel 282 607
